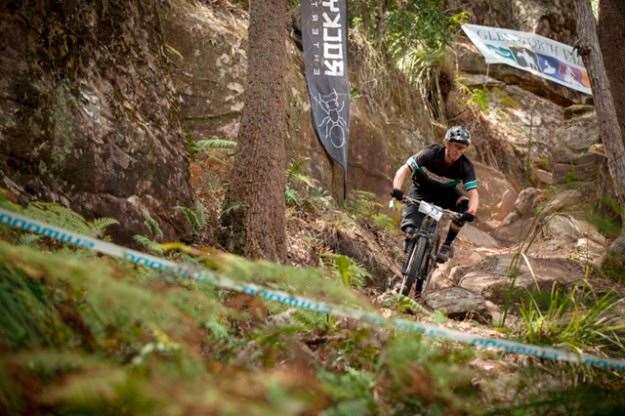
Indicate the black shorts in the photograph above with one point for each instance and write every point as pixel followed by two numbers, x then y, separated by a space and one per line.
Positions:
pixel 444 196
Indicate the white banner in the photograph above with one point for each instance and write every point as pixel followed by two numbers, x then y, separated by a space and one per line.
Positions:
pixel 530 52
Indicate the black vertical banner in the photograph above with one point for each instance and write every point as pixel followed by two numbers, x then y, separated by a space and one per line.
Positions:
pixel 324 36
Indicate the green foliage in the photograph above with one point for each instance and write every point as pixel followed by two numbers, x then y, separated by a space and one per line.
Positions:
pixel 352 392
pixel 205 146
pixel 296 173
pixel 292 197
pixel 364 205
pixel 425 377
pixel 153 226
pixel 60 216
pixel 29 315
pixel 349 272
pixel 417 34
pixel 479 97
pixel 148 244
pixel 571 321
pixel 195 216
pixel 570 178
pixel 303 281
pixel 606 216
pixel 586 399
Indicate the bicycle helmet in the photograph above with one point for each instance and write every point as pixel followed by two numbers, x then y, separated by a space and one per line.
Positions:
pixel 458 134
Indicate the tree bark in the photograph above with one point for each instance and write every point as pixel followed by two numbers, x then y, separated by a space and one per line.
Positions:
pixel 254 207
pixel 609 128
pixel 611 32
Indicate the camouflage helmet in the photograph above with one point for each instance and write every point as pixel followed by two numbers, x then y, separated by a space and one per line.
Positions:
pixel 458 134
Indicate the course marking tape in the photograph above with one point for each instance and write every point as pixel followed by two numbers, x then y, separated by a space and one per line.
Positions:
pixel 203 275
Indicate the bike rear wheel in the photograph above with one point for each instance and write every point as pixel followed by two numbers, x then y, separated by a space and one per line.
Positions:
pixel 417 257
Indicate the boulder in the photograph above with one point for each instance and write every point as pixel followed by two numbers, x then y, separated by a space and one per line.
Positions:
pixel 526 201
pixel 565 226
pixel 495 192
pixel 494 273
pixel 458 303
pixel 506 205
pixel 584 167
pixel 477 237
pixel 574 137
pixel 513 228
pixel 93 123
pixel 561 201
pixel 577 110
pixel 614 260
pixel 544 177
pixel 588 251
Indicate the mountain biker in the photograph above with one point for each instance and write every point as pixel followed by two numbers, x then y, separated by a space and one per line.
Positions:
pixel 436 172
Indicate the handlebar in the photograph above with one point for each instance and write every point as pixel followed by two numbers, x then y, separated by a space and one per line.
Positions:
pixel 453 214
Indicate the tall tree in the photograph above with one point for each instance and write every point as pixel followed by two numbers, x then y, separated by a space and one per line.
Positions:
pixel 611 31
pixel 609 127
pixel 254 207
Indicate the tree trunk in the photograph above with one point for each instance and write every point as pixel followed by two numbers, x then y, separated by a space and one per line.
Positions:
pixel 254 207
pixel 611 31
pixel 609 127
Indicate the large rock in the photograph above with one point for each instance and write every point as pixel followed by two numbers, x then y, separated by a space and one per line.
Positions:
pixel 89 114
pixel 477 237
pixel 614 260
pixel 495 192
pixel 562 200
pixel 565 226
pixel 495 273
pixel 458 303
pixel 576 134
pixel 554 19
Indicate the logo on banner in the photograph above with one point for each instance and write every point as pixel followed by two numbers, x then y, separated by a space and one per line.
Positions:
pixel 333 124
pixel 530 52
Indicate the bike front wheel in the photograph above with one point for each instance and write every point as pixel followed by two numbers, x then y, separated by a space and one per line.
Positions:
pixel 429 264
pixel 417 257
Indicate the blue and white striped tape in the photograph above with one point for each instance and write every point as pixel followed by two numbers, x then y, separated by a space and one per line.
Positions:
pixel 27 224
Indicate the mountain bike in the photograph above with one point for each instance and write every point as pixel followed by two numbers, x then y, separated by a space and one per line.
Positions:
pixel 423 247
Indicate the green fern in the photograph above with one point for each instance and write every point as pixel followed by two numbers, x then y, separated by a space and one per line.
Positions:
pixel 153 226
pixel 296 173
pixel 292 197
pixel 214 143
pixel 148 244
pixel 195 216
pixel 63 217
pixel 346 268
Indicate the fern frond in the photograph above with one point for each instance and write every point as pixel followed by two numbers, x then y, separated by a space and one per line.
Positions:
pixel 148 244
pixel 213 143
pixel 99 224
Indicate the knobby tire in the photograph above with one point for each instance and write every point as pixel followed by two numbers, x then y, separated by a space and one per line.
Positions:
pixel 428 268
pixel 415 263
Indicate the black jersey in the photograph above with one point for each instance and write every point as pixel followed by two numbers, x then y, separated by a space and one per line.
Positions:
pixel 429 167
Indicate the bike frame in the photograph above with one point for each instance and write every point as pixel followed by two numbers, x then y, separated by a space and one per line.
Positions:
pixel 430 232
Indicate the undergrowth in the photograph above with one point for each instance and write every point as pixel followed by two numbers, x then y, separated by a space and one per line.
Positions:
pixel 83 334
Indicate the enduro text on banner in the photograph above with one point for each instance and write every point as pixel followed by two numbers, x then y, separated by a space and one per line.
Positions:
pixel 324 37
